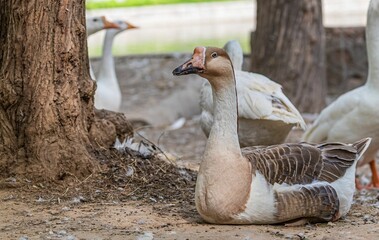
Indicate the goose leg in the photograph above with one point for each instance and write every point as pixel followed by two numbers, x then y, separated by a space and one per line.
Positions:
pixel 375 177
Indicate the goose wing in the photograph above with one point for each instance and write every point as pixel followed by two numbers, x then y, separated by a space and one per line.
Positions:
pixel 305 171
pixel 303 163
pixel 261 98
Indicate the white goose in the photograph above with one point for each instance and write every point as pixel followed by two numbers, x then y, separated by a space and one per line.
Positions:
pixel 108 93
pixel 234 50
pixel 98 23
pixel 355 114
pixel 265 115
pixel 265 185
pixel 95 24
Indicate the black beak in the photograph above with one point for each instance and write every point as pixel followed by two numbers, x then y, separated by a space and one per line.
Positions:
pixel 186 68
pixel 180 71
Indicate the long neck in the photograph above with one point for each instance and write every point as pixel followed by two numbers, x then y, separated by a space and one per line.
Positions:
pixel 372 42
pixel 107 71
pixel 224 178
pixel 223 133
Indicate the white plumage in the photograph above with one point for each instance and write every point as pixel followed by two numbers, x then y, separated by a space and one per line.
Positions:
pixel 94 25
pixel 98 23
pixel 108 93
pixel 355 114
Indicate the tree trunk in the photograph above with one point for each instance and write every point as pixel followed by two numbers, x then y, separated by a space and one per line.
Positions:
pixel 46 108
pixel 288 47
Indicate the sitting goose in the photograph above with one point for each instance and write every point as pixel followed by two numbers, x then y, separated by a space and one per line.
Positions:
pixel 355 115
pixel 108 93
pixel 265 115
pixel 265 185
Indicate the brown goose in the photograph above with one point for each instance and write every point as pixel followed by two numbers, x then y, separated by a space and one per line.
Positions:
pixel 265 185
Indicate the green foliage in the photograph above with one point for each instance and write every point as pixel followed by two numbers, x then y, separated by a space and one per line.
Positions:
pixel 149 47
pixel 95 4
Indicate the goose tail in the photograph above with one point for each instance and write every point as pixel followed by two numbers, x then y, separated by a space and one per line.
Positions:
pixel 361 146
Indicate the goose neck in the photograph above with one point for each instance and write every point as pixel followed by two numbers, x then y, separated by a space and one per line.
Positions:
pixel 224 134
pixel 372 43
pixel 107 68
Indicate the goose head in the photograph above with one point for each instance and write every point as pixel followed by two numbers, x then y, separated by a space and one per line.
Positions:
pixel 234 50
pixel 211 63
pixel 95 24
pixel 122 26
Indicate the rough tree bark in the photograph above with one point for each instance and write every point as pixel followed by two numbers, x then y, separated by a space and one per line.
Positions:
pixel 288 47
pixel 46 107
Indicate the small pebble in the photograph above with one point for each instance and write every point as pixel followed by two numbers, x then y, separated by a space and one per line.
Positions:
pixel 146 236
pixel 62 232
pixel 357 214
pixel 141 222
pixel 78 199
pixel 247 238
pixel 366 217
pixel 301 235
pixel 11 180
pixel 40 199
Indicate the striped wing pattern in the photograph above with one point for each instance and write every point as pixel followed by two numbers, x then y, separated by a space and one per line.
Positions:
pixel 310 169
pixel 302 163
pixel 319 202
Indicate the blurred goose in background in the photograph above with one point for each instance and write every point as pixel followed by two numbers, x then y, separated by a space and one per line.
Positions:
pixel 265 114
pixel 234 50
pixel 108 93
pixel 95 24
pixel 265 185
pixel 355 114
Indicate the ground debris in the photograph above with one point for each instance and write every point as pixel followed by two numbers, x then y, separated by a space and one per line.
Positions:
pixel 123 177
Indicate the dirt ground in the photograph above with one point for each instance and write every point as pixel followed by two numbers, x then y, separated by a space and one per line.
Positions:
pixel 162 209
pixel 136 198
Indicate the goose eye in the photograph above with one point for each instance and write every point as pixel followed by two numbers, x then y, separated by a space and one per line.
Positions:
pixel 214 55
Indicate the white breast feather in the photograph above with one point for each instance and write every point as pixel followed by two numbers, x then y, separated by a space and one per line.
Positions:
pixel 345 189
pixel 260 207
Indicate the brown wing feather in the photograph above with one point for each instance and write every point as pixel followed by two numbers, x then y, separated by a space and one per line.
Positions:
pixel 302 163
pixel 312 202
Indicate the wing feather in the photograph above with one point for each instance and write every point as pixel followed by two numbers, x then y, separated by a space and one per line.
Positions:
pixel 302 163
